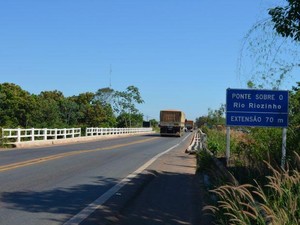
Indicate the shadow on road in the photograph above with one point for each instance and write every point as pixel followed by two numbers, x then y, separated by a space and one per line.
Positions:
pixel 67 201
pixel 156 198
pixel 169 199
pixel 153 197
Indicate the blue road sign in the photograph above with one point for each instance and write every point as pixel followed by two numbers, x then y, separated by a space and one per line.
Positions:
pixel 250 107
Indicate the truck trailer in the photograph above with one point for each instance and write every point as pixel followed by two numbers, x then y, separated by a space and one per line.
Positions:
pixel 189 124
pixel 172 123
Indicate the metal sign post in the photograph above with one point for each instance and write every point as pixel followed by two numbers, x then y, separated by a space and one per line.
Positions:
pixel 283 157
pixel 227 145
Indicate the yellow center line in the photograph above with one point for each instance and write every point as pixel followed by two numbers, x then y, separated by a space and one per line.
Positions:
pixel 62 155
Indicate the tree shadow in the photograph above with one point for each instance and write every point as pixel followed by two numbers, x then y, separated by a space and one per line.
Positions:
pixel 149 198
pixel 65 201
pixel 170 199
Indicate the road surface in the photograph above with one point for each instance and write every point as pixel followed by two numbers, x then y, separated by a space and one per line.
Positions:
pixel 52 185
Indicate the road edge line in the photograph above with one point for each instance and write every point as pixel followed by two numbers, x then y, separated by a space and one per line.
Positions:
pixel 87 211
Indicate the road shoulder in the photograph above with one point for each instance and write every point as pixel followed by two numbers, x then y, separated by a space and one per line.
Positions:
pixel 168 192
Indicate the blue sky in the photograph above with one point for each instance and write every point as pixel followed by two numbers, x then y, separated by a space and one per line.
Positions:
pixel 181 54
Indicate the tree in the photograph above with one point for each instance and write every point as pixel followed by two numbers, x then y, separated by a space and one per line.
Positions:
pixel 16 105
pixel 202 120
pixel 125 103
pixel 294 119
pixel 266 58
pixel 47 113
pixel 93 112
pixel 287 19
pixel 153 122
pixel 51 109
pixel 105 95
pixel 105 98
pixel 84 101
pixel 135 119
pixel 69 111
pixel 216 117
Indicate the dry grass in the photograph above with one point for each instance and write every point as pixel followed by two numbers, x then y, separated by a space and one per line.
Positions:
pixel 278 203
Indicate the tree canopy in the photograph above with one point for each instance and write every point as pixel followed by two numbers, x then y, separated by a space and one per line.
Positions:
pixel 51 109
pixel 287 19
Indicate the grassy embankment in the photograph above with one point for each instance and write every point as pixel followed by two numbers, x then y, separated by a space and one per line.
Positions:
pixel 264 192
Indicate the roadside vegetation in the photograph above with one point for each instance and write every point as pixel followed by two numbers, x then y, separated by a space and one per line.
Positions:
pixel 262 192
pixel 51 109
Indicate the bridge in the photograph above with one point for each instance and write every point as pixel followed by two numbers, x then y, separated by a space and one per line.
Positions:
pixel 20 137
pixel 66 183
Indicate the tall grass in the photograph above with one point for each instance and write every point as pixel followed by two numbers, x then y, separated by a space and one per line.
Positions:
pixel 276 203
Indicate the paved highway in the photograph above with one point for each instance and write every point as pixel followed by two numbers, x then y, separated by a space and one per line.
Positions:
pixel 52 185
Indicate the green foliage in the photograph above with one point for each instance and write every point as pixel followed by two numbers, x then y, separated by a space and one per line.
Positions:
pixel 124 105
pixel 268 143
pixel 52 109
pixel 214 117
pixel 293 140
pixel 16 106
pixel 154 123
pixel 266 195
pixel 266 61
pixel 130 120
pixel 105 95
pixel 204 160
pixel 287 19
pixel 217 142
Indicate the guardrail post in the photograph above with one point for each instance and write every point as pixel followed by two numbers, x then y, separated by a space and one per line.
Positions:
pixel 45 134
pixel 55 133
pixel 73 131
pixel 19 135
pixel 65 133
pixel 32 134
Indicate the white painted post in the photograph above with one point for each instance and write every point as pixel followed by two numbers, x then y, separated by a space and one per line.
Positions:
pixel 227 145
pixel 45 134
pixel 19 135
pixel 65 133
pixel 73 131
pixel 55 133
pixel 32 134
pixel 284 131
pixel 92 131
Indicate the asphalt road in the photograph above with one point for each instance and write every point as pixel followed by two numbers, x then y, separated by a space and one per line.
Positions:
pixel 52 185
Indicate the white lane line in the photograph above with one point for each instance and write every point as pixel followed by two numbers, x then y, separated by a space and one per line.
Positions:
pixel 86 212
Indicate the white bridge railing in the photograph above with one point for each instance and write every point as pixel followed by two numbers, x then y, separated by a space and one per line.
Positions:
pixel 19 135
pixel 92 131
pixel 33 134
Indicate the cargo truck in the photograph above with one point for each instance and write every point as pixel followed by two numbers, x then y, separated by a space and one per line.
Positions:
pixel 172 123
pixel 189 124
